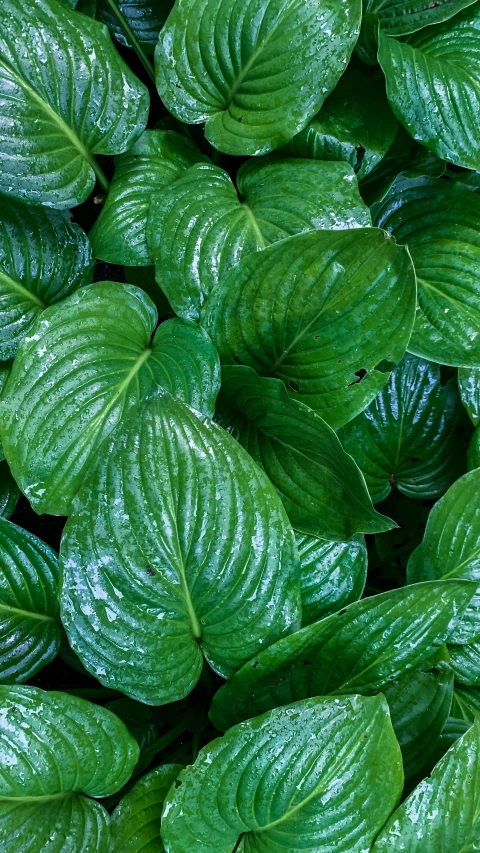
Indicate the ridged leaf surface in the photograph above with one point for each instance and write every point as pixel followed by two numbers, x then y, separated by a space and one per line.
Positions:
pixel 332 575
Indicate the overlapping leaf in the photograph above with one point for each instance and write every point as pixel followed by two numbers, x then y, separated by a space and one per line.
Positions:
pixel 9 491
pixel 136 820
pixel 465 662
pixel 466 702
pixel 469 387
pixel 145 18
pixel 401 17
pixel 332 574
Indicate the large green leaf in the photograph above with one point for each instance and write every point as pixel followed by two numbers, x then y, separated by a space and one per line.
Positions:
pixel 469 387
pixel 322 774
pixel 451 548
pixel 145 18
pixel 43 258
pixel 323 311
pixel 178 548
pixel 408 436
pixel 9 491
pixel 62 103
pixel 433 85
pixel 439 221
pixel 322 489
pixel 201 226
pixel 443 812
pixel 56 748
pixel 332 574
pixel 255 74
pixel 401 17
pixel 136 820
pixel 29 621
pixel 355 124
pixel 358 650
pixel 85 362
pixel 157 159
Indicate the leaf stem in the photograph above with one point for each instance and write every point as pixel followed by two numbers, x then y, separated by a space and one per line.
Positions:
pixel 100 175
pixel 237 845
pixel 132 39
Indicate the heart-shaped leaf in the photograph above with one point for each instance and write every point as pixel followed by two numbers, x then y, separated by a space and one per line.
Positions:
pixel 157 159
pixel 178 548
pixel 201 226
pixel 322 311
pixel 255 78
pixel 357 650
pixel 443 812
pixel 136 820
pixel 145 18
pixel 85 362
pixel 333 574
pixel 29 620
pixel 292 779
pixel 469 387
pixel 9 491
pixel 322 489
pixel 43 258
pixel 433 85
pixel 401 17
pixel 439 221
pixel 57 748
pixel 408 437
pixel 68 99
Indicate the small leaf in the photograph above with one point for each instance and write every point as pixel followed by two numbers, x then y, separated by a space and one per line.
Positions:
pixel 332 574
pixel 136 819
pixel 469 387
pixel 401 17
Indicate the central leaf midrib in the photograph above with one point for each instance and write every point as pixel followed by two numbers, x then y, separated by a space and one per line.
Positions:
pixel 42 798
pixel 28 613
pixel 253 222
pixel 13 284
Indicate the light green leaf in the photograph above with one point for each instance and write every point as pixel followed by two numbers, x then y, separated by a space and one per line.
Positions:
pixel 433 85
pixel 9 491
pixel 359 650
pixel 29 620
pixel 466 702
pixel 255 77
pixel 401 17
pixel 333 574
pixel 355 124
pixel 144 17
pixel 157 159
pixel 439 221
pixel 323 311
pixel 322 489
pixel 84 364
pixel 469 387
pixel 178 548
pixel 290 777
pixel 465 662
pixel 443 812
pixel 55 749
pixel 43 258
pixel 136 820
pixel 451 548
pixel 64 101
pixel 408 436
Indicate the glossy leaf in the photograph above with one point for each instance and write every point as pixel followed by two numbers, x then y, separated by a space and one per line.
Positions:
pixel 469 387
pixel 156 160
pixel 178 549
pixel 144 17
pixel 408 436
pixel 360 649
pixel 465 662
pixel 332 574
pixel 136 820
pixel 58 748
pixel 442 813
pixel 66 100
pixel 9 491
pixel 433 86
pixel 254 74
pixel 318 774
pixel 401 17
pixel 322 489
pixel 323 311
pixel 451 548
pixel 29 620
pixel 439 221
pixel 43 258
pixel 84 364
pixel 200 227
pixel 466 702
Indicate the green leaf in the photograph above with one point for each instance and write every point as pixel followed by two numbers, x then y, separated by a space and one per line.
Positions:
pixel 442 813
pixel 201 226
pixel 255 78
pixel 156 160
pixel 144 278
pixel 322 311
pixel 365 646
pixel 469 387
pixel 473 454
pixel 144 17
pixel 67 100
pixel 451 548
pixel 401 17
pixel 355 124
pixel 465 662
pixel 9 491
pixel 322 489
pixel 138 720
pixel 433 85
pixel 136 820
pixel 408 436
pixel 332 574
pixel 466 702
pixel 178 548
pixel 84 364
pixel 43 258
pixel 439 220
pixel 290 778
pixel 29 621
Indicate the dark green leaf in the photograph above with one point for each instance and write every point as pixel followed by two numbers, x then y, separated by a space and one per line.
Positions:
pixel 401 17
pixel 144 17
pixel 332 575
pixel 465 662
pixel 469 387
pixel 9 491
pixel 466 702
pixel 136 820
pixel 144 278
